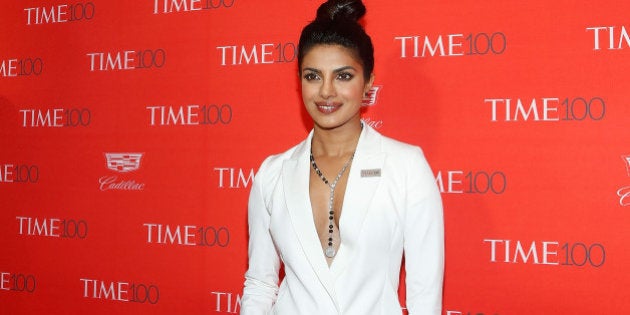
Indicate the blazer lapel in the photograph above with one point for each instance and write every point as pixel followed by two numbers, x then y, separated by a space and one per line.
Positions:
pixel 295 178
pixel 363 180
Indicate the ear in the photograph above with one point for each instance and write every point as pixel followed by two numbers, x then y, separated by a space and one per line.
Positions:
pixel 368 84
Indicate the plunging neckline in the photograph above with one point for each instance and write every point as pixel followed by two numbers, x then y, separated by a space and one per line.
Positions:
pixel 344 180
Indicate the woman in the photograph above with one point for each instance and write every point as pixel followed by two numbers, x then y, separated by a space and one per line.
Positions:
pixel 339 209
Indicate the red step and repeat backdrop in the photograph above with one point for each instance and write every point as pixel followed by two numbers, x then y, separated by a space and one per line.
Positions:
pixel 130 132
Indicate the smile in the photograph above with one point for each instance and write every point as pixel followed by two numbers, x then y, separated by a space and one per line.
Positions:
pixel 327 107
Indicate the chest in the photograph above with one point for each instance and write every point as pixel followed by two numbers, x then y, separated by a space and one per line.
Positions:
pixel 367 212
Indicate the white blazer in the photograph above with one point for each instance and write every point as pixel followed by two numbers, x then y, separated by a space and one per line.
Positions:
pixel 382 216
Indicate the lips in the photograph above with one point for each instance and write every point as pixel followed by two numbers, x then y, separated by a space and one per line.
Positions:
pixel 327 107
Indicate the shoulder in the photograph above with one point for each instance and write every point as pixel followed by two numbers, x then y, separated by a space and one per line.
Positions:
pixel 408 165
pixel 272 165
pixel 396 149
pixel 404 160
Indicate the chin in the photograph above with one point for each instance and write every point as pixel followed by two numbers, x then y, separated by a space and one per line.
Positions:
pixel 333 123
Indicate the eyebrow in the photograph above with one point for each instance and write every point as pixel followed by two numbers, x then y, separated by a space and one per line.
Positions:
pixel 334 71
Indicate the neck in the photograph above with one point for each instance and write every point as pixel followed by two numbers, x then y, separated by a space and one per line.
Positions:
pixel 336 142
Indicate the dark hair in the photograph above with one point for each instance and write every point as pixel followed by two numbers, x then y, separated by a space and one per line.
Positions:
pixel 337 24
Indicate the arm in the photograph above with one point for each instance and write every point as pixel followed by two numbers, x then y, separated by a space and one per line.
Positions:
pixel 423 240
pixel 261 279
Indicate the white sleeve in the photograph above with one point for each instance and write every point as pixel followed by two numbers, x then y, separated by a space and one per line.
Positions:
pixel 261 278
pixel 423 240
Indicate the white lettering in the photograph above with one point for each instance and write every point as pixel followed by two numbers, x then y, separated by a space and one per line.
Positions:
pixel 624 195
pixel 548 252
pixel 170 6
pixel 45 15
pixel 165 234
pixel 4 278
pixel 525 258
pixel 432 47
pixel 6 175
pixel 169 115
pixel 248 58
pixel 105 61
pixel 451 182
pixel 504 109
pixel 225 303
pixel 115 291
pixel 622 36
pixel 109 183
pixel 245 55
pixel 237 177
pixel 8 68
pixel 39 227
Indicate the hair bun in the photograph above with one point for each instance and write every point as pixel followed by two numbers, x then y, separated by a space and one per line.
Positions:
pixel 341 10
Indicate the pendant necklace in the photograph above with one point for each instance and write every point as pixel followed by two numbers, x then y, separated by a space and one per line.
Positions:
pixel 330 250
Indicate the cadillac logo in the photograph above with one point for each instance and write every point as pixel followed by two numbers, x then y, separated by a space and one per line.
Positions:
pixel 123 162
pixel 372 95
pixel 626 159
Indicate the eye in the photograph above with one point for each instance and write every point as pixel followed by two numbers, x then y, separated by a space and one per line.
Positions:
pixel 310 76
pixel 345 76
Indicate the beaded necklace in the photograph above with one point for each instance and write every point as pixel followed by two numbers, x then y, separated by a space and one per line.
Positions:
pixel 330 250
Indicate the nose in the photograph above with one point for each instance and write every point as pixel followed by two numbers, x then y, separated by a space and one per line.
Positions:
pixel 327 89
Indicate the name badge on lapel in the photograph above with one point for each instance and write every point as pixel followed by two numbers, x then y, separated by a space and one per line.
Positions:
pixel 376 172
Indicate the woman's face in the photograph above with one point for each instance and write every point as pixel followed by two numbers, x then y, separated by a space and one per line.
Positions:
pixel 333 85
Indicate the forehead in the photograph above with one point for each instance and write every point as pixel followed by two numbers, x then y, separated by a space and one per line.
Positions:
pixel 331 56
